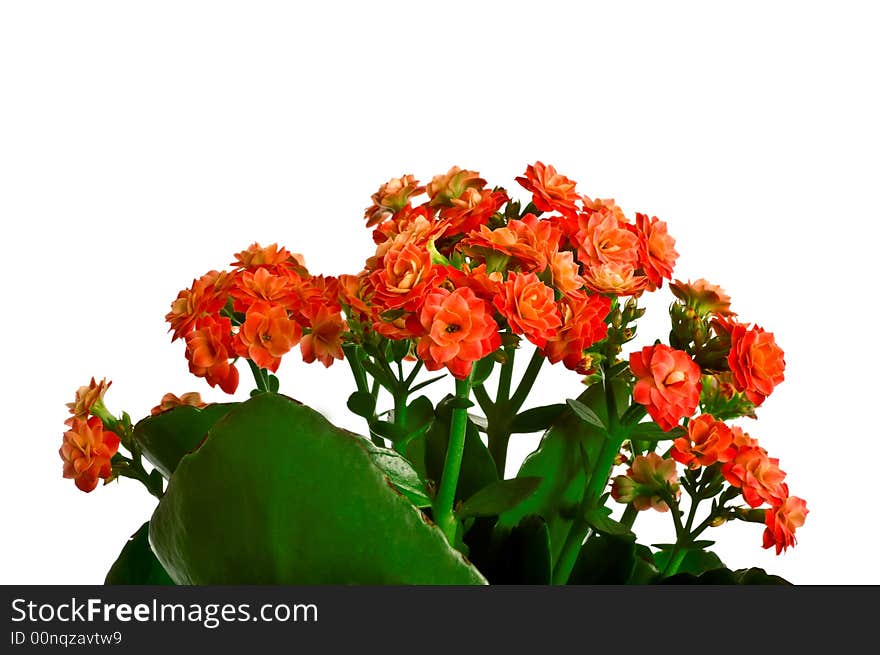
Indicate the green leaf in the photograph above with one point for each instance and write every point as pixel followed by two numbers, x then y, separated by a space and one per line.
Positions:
pixel 278 495
pixel 388 430
pixel 419 414
pixel 499 497
pixel 696 561
pixel 604 559
pixel 274 384
pixel 560 461
pixel 652 432
pixel 482 370
pixel 600 520
pixel 400 473
pixel 521 555
pixel 586 414
pixel 362 403
pixel 725 576
pixel 137 564
pixel 477 466
pixel 166 437
pixel 536 419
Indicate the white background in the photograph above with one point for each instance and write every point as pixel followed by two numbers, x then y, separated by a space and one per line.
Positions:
pixel 142 144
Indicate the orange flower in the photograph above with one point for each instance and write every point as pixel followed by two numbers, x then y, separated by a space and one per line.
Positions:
pixel 782 520
pixel 701 296
pixel 657 252
pixel 459 330
pixel 206 297
pixel 256 255
pixel 354 294
pixel 209 349
pixel 606 239
pixel 264 285
pixel 564 272
pixel 529 307
pixel 87 449
pixel 482 283
pixel 757 363
pixel 170 401
pixel 471 210
pixel 267 334
pixel 757 475
pixel 406 276
pixel 708 441
pixel 391 198
pixel 583 325
pixel 550 190
pixel 668 383
pixel 324 341
pixel 615 278
pixel 526 241
pixel 649 476
pixel 86 397
pixel 443 189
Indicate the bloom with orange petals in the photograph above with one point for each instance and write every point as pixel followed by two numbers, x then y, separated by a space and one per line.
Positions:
pixel 756 362
pixel 86 397
pixel 529 307
pixel 87 450
pixel 481 282
pixel 606 239
pixel 324 341
pixel 471 210
pixel 209 349
pixel 707 441
pixel 406 276
pixel 649 477
pixel 262 285
pixel 391 198
pixel 657 252
pixel 170 401
pixel 459 330
pixel 526 241
pixel 443 189
pixel 583 325
pixel 206 296
pixel 703 297
pixel 757 475
pixel 782 520
pixel 668 383
pixel 615 278
pixel 271 255
pixel 267 334
pixel 564 270
pixel 550 190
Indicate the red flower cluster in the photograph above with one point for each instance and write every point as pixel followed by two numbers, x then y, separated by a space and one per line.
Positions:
pixel 668 383
pixel 260 310
pixel 748 467
pixel 87 447
pixel 547 278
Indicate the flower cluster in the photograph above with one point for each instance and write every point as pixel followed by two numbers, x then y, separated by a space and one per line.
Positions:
pixel 465 264
pixel 260 310
pixel 727 366
pixel 461 275
pixel 88 447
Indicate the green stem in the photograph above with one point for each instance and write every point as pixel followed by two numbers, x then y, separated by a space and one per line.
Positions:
pixel 570 551
pixel 506 376
pixel 259 376
pixel 445 499
pixel 484 401
pixel 498 442
pixel 528 380
pixel 630 514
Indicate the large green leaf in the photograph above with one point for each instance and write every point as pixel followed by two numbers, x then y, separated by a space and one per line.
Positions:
pixel 521 555
pixel 561 459
pixel 137 564
pixel 278 495
pixel 724 576
pixel 696 561
pixel 498 497
pixel 604 559
pixel 166 437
